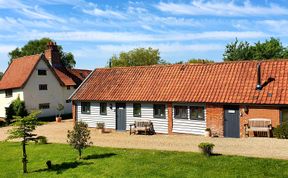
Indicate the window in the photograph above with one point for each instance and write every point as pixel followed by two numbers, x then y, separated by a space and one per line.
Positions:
pixel 181 112
pixel 103 108
pixel 159 110
pixel 68 87
pixel 68 101
pixel 85 107
pixel 8 93
pixel 43 87
pixel 44 106
pixel 42 72
pixel 136 109
pixel 197 112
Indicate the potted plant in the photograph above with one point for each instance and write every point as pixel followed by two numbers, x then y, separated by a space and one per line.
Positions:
pixel 100 127
pixel 59 109
pixel 207 132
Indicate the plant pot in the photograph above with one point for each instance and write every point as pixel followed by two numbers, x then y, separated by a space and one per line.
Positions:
pixel 58 119
pixel 100 130
pixel 207 134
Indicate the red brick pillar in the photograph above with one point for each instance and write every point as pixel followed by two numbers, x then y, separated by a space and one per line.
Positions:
pixel 74 111
pixel 170 118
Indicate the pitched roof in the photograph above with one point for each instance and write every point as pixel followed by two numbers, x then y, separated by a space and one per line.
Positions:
pixel 19 72
pixel 233 82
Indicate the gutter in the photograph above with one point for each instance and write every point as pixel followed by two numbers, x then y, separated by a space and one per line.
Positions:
pixel 81 84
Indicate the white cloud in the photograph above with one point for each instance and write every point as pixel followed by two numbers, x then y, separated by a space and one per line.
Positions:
pixel 12 4
pixel 4 49
pixel 99 36
pixel 163 47
pixel 104 13
pixel 217 8
pixel 38 13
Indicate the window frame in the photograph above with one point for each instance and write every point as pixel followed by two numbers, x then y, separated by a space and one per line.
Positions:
pixel 41 87
pixel 197 113
pixel 8 93
pixel 103 105
pixel 85 105
pixel 159 107
pixel 68 87
pixel 42 74
pixel 181 108
pixel 43 106
pixel 134 110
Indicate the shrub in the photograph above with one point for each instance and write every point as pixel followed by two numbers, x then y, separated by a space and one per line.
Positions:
pixel 41 140
pixel 206 148
pixel 100 125
pixel 16 108
pixel 281 131
pixel 79 137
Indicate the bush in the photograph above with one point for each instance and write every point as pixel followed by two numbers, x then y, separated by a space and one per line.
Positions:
pixel 206 148
pixel 16 108
pixel 281 131
pixel 100 125
pixel 41 140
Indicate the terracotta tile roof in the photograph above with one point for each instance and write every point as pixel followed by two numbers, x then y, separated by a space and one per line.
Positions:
pixel 64 77
pixel 71 77
pixel 233 82
pixel 19 72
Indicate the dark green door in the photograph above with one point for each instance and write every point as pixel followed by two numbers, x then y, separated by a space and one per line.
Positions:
pixel 231 122
pixel 120 116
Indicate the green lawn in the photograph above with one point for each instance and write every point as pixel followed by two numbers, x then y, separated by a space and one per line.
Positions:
pixel 112 162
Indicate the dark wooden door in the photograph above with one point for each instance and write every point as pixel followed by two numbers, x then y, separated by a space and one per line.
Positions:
pixel 231 122
pixel 120 116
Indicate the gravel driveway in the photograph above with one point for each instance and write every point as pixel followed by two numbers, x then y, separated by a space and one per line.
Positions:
pixel 255 147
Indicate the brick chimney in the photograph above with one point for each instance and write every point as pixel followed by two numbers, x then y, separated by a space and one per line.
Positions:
pixel 52 54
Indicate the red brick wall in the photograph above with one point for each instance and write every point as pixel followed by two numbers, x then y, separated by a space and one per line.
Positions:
pixel 272 113
pixel 215 119
pixel 74 112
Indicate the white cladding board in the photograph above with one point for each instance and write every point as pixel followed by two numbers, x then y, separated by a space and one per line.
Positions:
pixel 189 126
pixel 160 124
pixel 94 117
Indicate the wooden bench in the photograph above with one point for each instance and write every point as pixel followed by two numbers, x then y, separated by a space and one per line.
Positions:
pixel 142 126
pixel 258 125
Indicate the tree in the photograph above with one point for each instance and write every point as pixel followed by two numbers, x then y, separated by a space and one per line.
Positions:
pixel 1 75
pixel 39 46
pixel 201 61
pixel 137 57
pixel 16 108
pixel 24 126
pixel 270 49
pixel 79 137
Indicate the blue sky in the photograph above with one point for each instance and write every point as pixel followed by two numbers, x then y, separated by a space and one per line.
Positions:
pixel 182 29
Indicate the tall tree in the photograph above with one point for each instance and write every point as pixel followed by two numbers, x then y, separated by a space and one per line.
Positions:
pixel 137 57
pixel 24 126
pixel 39 46
pixel 1 75
pixel 270 49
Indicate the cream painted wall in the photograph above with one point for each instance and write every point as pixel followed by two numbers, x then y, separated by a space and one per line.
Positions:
pixel 5 102
pixel 56 94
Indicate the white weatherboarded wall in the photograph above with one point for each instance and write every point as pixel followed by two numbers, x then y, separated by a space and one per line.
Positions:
pixel 160 125
pixel 94 116
pixel 189 126
pixel 5 102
